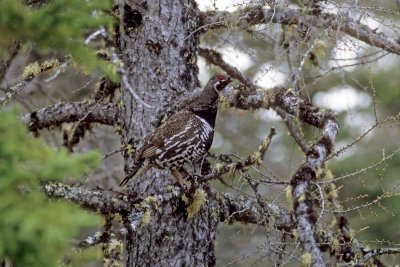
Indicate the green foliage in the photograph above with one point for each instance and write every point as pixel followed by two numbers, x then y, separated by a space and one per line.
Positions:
pixel 35 231
pixel 59 25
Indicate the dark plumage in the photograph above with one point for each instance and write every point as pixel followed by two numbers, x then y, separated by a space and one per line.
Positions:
pixel 184 137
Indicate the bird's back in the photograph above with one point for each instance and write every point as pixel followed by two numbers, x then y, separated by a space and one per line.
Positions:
pixel 182 138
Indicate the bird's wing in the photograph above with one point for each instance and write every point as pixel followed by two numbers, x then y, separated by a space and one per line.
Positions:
pixel 170 131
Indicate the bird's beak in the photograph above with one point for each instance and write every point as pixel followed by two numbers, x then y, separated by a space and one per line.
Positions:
pixel 227 81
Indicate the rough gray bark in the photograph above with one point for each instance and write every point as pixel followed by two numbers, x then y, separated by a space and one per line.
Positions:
pixel 159 53
pixel 70 112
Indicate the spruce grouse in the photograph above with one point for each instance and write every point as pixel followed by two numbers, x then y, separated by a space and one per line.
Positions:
pixel 184 137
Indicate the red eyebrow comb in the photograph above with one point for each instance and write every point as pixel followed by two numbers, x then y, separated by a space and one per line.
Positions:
pixel 220 76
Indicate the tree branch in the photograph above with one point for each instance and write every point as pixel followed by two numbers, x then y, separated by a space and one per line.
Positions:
pixel 246 210
pixel 279 97
pixel 301 188
pixel 106 202
pixel 12 51
pixel 381 251
pixel 231 208
pixel 259 15
pixel 294 130
pixel 71 112
pixel 215 58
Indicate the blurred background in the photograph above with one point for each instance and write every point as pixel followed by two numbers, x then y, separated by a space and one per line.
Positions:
pixel 360 83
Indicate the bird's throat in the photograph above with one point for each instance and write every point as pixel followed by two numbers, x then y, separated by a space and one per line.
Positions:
pixel 208 115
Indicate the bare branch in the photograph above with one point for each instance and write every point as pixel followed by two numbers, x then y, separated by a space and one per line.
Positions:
pixel 231 208
pixel 288 16
pixel 243 209
pixel 97 238
pixel 71 112
pixel 299 70
pixel 294 130
pixel 279 97
pixel 301 183
pixel 103 201
pixel 215 58
pixel 12 51
pixel 381 251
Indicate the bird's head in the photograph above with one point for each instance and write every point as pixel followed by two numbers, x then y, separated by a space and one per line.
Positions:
pixel 210 94
pixel 219 81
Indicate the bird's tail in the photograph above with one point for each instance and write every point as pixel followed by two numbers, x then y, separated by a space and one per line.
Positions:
pixel 137 169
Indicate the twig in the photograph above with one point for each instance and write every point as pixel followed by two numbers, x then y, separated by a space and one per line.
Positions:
pixel 254 159
pixel 117 61
pixel 381 251
pixel 294 130
pixel 126 83
pixel 369 167
pixel 296 74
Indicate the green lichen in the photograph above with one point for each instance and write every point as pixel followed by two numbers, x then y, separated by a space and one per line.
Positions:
pixel 219 168
pixel 289 193
pixel 169 188
pixel 118 217
pixel 264 144
pixel 200 197
pixel 120 104
pixel 185 199
pixel 302 198
pixel 150 201
pixel 112 252
pixel 130 150
pixel 117 127
pixel 333 191
pixel 32 69
pixel 335 244
pixel 225 104
pixel 35 68
pixel 306 259
pixel 51 63
pixel 295 234
pixel 268 97
pixel 232 169
pixel 145 218
pixel 256 158
pixel 319 54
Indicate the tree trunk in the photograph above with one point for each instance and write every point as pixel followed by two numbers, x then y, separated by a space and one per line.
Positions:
pixel 158 44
